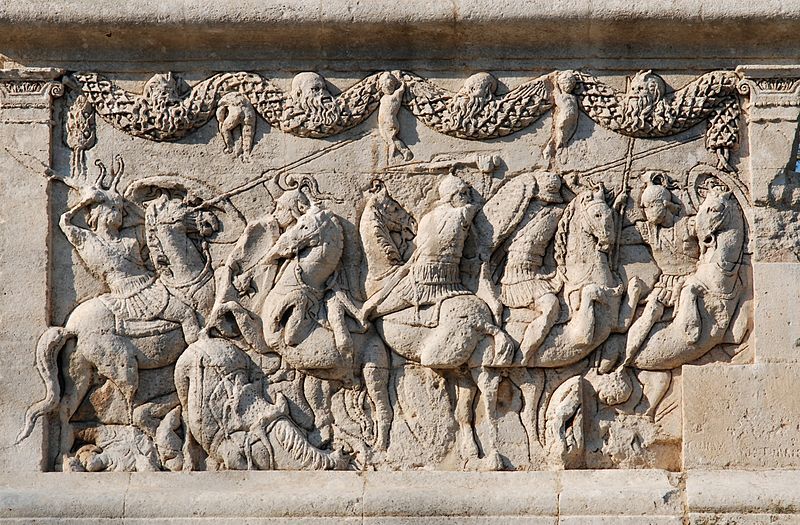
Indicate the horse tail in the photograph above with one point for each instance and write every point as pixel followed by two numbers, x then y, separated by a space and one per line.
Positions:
pixel 47 348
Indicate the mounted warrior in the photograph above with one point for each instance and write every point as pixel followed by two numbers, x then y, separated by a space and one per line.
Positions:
pixel 433 272
pixel 145 319
pixel 518 225
pixel 672 240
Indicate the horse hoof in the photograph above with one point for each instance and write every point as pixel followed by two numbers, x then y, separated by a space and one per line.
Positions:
pixel 491 462
pixel 468 450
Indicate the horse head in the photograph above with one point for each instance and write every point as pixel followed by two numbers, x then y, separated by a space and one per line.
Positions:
pixel 597 218
pixel 714 214
pixel 387 232
pixel 585 235
pixel 395 219
pixel 171 225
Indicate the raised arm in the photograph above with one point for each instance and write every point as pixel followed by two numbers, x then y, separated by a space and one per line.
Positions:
pixel 75 234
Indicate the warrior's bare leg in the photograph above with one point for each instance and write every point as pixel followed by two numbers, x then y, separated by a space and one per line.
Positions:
pixel 390 305
pixel 581 328
pixel 538 329
pixel 179 312
pixel 628 307
pixel 688 317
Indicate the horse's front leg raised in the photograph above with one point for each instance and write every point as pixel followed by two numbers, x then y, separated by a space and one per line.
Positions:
pixel 628 307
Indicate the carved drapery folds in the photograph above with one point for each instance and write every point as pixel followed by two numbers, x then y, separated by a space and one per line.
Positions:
pixel 457 314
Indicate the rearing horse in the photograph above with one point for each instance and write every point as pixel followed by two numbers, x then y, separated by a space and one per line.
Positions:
pixel 709 297
pixel 593 292
pixel 115 341
pixel 308 320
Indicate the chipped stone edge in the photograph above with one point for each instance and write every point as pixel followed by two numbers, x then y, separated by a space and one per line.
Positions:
pixel 581 496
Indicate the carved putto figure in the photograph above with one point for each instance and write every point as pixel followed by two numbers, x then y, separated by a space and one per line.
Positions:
pixel 565 114
pixel 391 100
pixel 235 111
pixel 468 311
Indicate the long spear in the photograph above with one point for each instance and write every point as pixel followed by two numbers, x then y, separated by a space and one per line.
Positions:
pixel 626 176
pixel 270 173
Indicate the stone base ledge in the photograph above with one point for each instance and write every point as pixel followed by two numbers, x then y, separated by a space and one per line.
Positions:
pixel 571 497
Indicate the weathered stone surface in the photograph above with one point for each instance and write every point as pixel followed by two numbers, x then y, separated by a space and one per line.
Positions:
pixel 743 497
pixel 747 419
pixel 777 334
pixel 632 497
pixel 420 242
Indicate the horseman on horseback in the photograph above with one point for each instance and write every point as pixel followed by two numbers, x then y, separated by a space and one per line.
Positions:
pixel 142 322
pixel 433 273
pixel 114 257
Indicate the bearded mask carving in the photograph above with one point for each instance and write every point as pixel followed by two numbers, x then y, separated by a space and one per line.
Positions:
pixel 162 91
pixel 470 101
pixel 311 104
pixel 644 105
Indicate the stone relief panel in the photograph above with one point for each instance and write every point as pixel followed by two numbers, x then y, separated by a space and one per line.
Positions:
pixel 399 274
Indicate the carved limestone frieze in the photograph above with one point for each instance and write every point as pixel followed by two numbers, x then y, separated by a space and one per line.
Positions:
pixel 416 297
pixel 168 109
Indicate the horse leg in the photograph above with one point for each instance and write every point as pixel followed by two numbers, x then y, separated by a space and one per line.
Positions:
pixel 179 312
pixel 530 382
pixel 376 380
pixel 318 393
pixel 465 395
pixel 640 329
pixel 114 357
pixel 654 387
pixel 77 380
pixel 488 382
pixel 538 329
pixel 628 307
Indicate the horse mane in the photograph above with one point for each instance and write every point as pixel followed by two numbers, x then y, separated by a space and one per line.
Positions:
pixel 562 234
pixel 381 234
